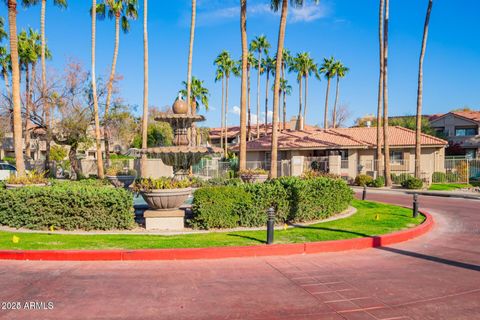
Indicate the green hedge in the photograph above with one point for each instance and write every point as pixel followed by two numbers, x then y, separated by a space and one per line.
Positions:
pixel 245 205
pixel 67 206
pixel 412 183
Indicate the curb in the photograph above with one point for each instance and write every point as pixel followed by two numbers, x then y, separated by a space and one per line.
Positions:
pixel 221 252
pixel 441 194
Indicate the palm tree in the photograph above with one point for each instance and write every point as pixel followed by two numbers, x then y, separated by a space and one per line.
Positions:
pixel 418 133
pixel 143 160
pixel 388 178
pixel 94 94
pixel 328 69
pixel 4 57
pixel 251 62
pixel 260 45
pixel 122 11
pixel 295 66
pixel 190 51
pixel 269 68
pixel 286 89
pixel 226 66
pixel 380 86
pixel 243 95
pixel 46 107
pixel 308 67
pixel 220 75
pixel 17 112
pixel 341 71
pixel 197 93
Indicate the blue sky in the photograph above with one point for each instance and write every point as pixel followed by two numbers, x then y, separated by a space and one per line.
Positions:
pixel 345 29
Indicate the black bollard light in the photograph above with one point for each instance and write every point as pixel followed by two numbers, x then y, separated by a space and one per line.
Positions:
pixel 364 194
pixel 270 225
pixel 415 205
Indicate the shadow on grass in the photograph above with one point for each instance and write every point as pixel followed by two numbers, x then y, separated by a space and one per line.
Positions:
pixel 417 255
pixel 331 229
pixel 246 237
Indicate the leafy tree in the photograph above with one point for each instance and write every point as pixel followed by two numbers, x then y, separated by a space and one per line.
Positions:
pixel 329 71
pixel 260 45
pixel 341 71
pixel 158 134
pixel 198 93
pixel 58 153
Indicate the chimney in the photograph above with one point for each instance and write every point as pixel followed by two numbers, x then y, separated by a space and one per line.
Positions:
pixel 296 123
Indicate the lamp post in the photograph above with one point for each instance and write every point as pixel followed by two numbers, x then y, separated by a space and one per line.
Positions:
pixel 270 224
pixel 364 194
pixel 415 205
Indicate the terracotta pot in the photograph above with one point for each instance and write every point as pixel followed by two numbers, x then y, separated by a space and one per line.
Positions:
pixel 166 199
pixel 121 181
pixel 254 178
pixel 180 107
pixel 17 186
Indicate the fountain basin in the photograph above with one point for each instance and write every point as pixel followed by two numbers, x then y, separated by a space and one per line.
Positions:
pixel 166 199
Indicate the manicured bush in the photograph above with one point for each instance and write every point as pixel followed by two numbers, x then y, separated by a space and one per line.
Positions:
pixel 400 178
pixel 439 177
pixel 67 206
pixel 412 183
pixel 378 182
pixel 452 177
pixel 363 180
pixel 245 205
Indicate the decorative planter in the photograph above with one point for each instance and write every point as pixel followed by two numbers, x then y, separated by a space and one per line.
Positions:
pixel 121 181
pixel 166 199
pixel 17 186
pixel 254 178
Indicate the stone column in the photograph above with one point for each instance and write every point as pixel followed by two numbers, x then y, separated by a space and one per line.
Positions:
pixel 335 164
pixel 297 165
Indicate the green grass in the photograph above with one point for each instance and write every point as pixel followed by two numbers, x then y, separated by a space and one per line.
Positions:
pixel 371 219
pixel 448 186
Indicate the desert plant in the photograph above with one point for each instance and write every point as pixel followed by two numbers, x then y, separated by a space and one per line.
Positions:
pixel 146 185
pixel 439 177
pixel 363 180
pixel 378 182
pixel 412 183
pixel 29 178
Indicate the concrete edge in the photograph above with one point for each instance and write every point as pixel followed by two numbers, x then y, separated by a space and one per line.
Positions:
pixel 222 252
pixel 443 194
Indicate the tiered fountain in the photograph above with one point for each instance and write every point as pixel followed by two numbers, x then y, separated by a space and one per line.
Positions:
pixel 164 204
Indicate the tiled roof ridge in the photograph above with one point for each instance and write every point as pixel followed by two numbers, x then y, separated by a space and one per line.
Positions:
pixel 351 137
pixel 423 134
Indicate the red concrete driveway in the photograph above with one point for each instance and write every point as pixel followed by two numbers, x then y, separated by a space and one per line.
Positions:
pixel 435 276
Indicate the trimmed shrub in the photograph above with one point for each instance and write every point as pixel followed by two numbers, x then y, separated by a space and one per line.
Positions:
pixel 245 205
pixel 363 180
pixel 439 177
pixel 400 178
pixel 378 182
pixel 412 183
pixel 67 206
pixel 219 207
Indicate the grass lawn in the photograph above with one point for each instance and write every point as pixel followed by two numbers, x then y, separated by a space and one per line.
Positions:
pixel 448 186
pixel 371 219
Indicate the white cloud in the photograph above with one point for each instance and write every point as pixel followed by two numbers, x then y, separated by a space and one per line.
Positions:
pixel 235 110
pixel 308 13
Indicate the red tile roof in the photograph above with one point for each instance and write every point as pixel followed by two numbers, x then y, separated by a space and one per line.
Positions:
pixel 470 115
pixel 234 131
pixel 341 138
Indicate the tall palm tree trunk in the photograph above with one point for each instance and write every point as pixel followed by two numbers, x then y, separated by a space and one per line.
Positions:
pixel 325 114
pixel 243 95
pixel 276 88
pixel 258 92
pixel 249 100
pixel 17 112
pixel 223 113
pixel 283 94
pixel 143 160
pixel 300 100
pixel 190 55
pixel 284 110
pixel 225 145
pixel 26 132
pixel 45 104
pixel 98 143
pixel 388 178
pixel 266 102
pixel 380 87
pixel 418 133
pixel 334 120
pixel 306 97
pixel 106 136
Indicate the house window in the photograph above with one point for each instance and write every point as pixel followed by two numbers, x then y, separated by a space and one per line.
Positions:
pixel 471 153
pixel 268 157
pixel 344 158
pixel 441 132
pixel 396 157
pixel 462 132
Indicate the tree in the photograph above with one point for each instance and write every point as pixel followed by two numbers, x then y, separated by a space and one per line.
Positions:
pixel 260 45
pixel 243 95
pixel 251 62
pixel 143 161
pixel 328 70
pixel 17 115
pixel 5 63
pixel 122 11
pixel 386 138
pixel 286 89
pixel 341 116
pixel 286 61
pixel 308 66
pixel 190 51
pixel 341 71
pixel 198 93
pixel 418 131
pixel 46 108
pixel 220 75
pixel 98 145
pixel 226 66
pixel 295 66
pixel 380 85
pixel 269 68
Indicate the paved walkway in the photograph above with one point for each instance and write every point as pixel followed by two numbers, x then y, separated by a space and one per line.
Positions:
pixel 436 276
